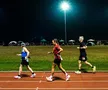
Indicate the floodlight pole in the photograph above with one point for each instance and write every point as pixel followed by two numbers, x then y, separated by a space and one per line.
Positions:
pixel 65 7
pixel 65 27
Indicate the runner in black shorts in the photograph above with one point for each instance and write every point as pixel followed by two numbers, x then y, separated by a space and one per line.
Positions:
pixel 24 61
pixel 57 60
pixel 83 56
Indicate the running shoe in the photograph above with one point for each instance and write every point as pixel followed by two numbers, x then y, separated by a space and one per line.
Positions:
pixel 78 72
pixel 49 79
pixel 67 77
pixel 17 77
pixel 94 69
pixel 33 75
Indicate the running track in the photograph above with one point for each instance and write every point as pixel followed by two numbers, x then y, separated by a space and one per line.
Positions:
pixel 84 81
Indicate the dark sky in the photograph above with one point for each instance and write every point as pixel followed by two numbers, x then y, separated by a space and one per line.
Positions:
pixel 28 19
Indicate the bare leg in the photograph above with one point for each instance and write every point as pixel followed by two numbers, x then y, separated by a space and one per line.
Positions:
pixel 62 69
pixel 50 78
pixel 19 73
pixel 29 68
pixel 53 68
pixel 79 65
pixel 88 64
pixel 20 70
pixel 93 67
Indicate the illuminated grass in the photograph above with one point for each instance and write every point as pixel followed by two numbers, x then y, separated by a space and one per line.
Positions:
pixel 41 61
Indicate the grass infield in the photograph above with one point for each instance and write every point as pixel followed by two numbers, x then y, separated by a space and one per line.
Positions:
pixel 41 61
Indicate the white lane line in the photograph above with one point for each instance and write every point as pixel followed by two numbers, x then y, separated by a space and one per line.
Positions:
pixel 73 88
pixel 18 88
pixel 77 76
pixel 13 76
pixel 56 81
pixel 37 88
pixel 40 81
pixel 54 88
pixel 99 71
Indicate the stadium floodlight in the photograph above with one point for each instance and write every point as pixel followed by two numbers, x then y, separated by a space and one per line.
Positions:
pixel 65 6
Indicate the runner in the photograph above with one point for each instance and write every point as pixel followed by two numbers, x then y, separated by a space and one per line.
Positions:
pixel 57 60
pixel 24 62
pixel 83 56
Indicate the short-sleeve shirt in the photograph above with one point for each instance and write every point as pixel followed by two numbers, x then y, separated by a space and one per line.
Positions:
pixel 55 51
pixel 82 51
pixel 23 53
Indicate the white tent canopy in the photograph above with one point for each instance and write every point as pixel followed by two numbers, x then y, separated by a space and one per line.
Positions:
pixel 12 43
pixel 71 40
pixel 91 40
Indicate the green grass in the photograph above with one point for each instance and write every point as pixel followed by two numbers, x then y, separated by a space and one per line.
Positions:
pixel 41 61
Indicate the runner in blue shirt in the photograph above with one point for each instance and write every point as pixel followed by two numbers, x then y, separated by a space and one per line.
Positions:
pixel 24 61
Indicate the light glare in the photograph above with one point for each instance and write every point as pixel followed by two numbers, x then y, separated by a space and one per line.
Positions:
pixel 65 5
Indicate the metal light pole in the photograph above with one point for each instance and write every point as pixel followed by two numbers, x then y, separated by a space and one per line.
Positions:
pixel 65 27
pixel 65 7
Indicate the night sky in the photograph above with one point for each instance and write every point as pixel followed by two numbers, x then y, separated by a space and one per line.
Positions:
pixel 28 19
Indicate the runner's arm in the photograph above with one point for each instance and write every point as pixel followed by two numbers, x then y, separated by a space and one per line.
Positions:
pixel 18 54
pixel 84 47
pixel 61 49
pixel 25 49
pixel 50 52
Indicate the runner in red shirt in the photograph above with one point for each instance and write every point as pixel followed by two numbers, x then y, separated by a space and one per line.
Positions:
pixel 57 60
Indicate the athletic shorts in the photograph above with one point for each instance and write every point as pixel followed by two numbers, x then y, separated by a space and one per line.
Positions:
pixel 24 62
pixel 57 61
pixel 83 58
